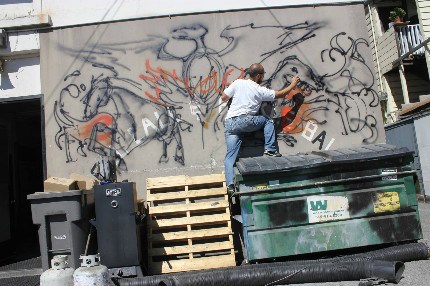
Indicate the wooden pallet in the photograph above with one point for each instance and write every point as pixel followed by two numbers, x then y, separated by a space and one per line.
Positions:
pixel 189 225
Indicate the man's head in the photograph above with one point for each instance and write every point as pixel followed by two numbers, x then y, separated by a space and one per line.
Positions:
pixel 256 73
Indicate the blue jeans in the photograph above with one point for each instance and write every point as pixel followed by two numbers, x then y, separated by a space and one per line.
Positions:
pixel 234 129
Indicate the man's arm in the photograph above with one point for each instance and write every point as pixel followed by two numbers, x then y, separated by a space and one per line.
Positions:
pixel 224 97
pixel 229 90
pixel 282 93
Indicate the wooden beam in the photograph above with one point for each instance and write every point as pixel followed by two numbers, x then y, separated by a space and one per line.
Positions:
pixel 206 179
pixel 194 220
pixel 165 182
pixel 212 205
pixel 185 195
pixel 195 264
pixel 181 235
pixel 175 250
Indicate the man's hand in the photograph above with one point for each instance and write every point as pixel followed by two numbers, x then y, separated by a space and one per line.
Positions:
pixel 295 81
pixel 282 93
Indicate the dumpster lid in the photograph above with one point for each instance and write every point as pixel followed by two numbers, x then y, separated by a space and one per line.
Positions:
pixel 48 195
pixel 364 153
pixel 263 165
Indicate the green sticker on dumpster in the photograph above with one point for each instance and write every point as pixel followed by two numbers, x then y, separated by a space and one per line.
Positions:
pixel 327 208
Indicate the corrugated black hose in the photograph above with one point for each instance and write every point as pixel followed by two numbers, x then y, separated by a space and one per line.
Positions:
pixel 384 263
pixel 261 275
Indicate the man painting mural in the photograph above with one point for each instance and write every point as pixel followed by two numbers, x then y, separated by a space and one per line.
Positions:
pixel 242 116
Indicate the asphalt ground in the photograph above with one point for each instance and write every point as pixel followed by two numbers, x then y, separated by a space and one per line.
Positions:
pixel 417 273
pixel 22 273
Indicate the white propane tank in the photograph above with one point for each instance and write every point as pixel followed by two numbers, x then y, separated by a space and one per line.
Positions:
pixel 60 274
pixel 91 273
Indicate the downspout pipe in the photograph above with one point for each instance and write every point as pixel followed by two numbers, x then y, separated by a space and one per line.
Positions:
pixel 372 25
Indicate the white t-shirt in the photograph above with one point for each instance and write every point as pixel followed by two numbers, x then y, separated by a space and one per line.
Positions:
pixel 247 97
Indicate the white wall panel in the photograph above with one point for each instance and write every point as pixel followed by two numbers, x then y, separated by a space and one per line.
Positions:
pixel 21 77
pixel 75 12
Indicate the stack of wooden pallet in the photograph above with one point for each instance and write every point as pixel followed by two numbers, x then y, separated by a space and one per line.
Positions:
pixel 189 225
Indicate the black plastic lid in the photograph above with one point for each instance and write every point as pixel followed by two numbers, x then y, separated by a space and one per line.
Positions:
pixel 264 165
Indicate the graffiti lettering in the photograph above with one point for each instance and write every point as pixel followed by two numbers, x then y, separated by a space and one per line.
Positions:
pixel 309 132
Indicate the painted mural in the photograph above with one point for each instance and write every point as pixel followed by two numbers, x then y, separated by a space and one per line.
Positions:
pixel 127 92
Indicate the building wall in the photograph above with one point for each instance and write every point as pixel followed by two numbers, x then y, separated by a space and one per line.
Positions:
pixel 21 77
pixel 148 90
pixel 403 133
pixel 423 142
pixel 382 50
pixel 424 16
pixel 386 52
pixel 77 12
pixel 417 85
pixel 388 49
pixel 424 13
pixel 21 71
pixel 393 80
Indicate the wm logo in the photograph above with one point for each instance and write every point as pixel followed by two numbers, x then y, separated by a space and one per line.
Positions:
pixel 318 205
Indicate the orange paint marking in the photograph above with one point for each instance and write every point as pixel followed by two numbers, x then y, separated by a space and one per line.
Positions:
pixel 158 77
pixel 84 130
pixel 294 126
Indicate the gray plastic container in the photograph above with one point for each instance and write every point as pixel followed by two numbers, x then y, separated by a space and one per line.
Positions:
pixel 63 219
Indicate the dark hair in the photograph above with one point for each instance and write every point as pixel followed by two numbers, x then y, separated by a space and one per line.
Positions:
pixel 252 73
pixel 254 70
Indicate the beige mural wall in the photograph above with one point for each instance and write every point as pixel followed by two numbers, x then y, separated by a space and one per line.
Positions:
pixel 147 91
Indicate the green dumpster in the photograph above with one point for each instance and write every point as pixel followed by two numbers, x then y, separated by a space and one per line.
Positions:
pixel 328 200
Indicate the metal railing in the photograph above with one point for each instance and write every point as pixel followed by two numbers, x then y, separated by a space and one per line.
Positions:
pixel 409 37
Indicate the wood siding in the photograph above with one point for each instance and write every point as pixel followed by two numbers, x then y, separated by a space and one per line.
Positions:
pixel 393 80
pixel 424 12
pixel 416 86
pixel 388 50
pixel 423 7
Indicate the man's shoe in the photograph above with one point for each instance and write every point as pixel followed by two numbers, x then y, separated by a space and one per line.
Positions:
pixel 230 189
pixel 272 153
